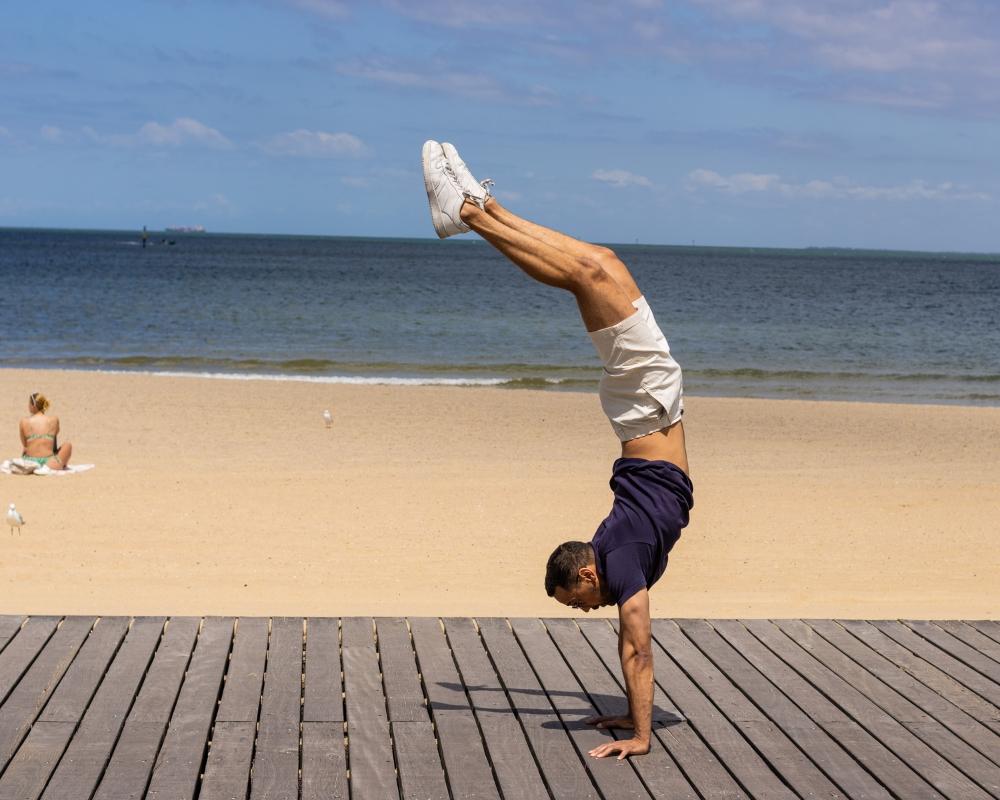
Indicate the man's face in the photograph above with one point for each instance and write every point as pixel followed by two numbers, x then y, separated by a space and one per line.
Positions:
pixel 585 594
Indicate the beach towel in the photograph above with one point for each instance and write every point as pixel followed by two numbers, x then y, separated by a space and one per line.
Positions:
pixel 21 466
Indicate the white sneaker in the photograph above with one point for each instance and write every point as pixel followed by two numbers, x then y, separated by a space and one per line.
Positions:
pixel 444 192
pixel 477 191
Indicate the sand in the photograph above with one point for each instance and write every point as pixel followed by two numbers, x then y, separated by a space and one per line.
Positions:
pixel 230 497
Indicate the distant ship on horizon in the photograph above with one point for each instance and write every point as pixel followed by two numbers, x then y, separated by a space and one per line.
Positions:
pixel 185 229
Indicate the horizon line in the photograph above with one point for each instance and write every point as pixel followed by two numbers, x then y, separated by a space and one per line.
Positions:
pixel 692 246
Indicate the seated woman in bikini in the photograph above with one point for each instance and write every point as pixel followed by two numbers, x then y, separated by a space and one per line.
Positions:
pixel 38 436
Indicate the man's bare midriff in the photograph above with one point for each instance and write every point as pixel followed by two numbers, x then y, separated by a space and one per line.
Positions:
pixel 664 445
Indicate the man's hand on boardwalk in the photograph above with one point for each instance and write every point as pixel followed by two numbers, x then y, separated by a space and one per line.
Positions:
pixel 624 748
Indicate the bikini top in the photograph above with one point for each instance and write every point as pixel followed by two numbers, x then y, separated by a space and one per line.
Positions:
pixel 31 436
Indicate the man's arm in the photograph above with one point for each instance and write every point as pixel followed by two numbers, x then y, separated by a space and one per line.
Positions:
pixel 635 648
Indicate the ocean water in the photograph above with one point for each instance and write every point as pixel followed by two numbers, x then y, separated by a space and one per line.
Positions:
pixel 823 324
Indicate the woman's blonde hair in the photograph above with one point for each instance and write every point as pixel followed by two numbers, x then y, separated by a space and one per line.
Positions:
pixel 39 401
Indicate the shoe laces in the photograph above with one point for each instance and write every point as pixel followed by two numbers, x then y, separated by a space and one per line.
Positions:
pixel 487 186
pixel 450 172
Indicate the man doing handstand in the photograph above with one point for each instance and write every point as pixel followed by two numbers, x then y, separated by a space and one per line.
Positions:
pixel 641 394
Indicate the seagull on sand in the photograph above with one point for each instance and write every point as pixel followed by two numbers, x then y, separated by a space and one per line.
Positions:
pixel 14 519
pixel 328 418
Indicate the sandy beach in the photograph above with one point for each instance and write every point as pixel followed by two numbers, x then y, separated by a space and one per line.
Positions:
pixel 230 497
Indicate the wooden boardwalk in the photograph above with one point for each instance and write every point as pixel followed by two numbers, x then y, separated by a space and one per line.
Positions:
pixel 116 708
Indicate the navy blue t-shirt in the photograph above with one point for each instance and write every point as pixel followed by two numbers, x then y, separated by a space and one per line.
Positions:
pixel 652 503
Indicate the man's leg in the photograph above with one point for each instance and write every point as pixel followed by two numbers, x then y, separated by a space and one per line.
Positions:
pixel 602 299
pixel 567 244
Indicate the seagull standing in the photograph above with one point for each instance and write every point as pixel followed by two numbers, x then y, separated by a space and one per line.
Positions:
pixel 328 418
pixel 14 519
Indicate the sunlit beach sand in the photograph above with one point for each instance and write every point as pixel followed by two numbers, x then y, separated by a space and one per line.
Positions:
pixel 232 497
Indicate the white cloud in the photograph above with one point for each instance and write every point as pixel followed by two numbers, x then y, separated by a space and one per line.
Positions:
pixel 315 144
pixel 839 188
pixel 51 133
pixel 442 78
pixel 902 54
pixel 182 132
pixel 621 178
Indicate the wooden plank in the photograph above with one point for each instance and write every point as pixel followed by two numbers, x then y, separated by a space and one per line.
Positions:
pixel 959 671
pixel 935 735
pixel 24 646
pixel 227 771
pixel 9 626
pixel 230 752
pixel 77 688
pixel 90 748
pixel 26 700
pixel 782 756
pixel 932 767
pixel 403 693
pixel 420 774
pixel 699 764
pixel 179 763
pixel 828 755
pixel 945 712
pixel 660 774
pixel 573 704
pixel 956 648
pixel 976 639
pixel 882 763
pixel 34 761
pixel 38 755
pixel 753 774
pixel 275 774
pixel 370 759
pixel 564 771
pixel 364 697
pixel 464 756
pixel 987 627
pixel 324 760
pixel 979 642
pixel 931 676
pixel 324 694
pixel 245 673
pixel 127 775
pixel 369 749
pixel 513 762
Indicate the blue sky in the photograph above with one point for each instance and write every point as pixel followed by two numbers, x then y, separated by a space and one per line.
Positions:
pixel 859 123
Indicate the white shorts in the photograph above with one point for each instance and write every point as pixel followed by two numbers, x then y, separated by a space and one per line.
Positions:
pixel 641 388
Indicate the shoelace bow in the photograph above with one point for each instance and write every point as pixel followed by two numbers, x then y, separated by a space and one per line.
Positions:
pixel 487 185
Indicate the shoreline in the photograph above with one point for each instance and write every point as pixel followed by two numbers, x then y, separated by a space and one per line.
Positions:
pixel 514 381
pixel 230 497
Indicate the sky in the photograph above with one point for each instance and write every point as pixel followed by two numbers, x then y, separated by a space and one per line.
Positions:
pixel 763 123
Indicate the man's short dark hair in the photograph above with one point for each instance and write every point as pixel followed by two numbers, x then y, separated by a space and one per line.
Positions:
pixel 564 565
